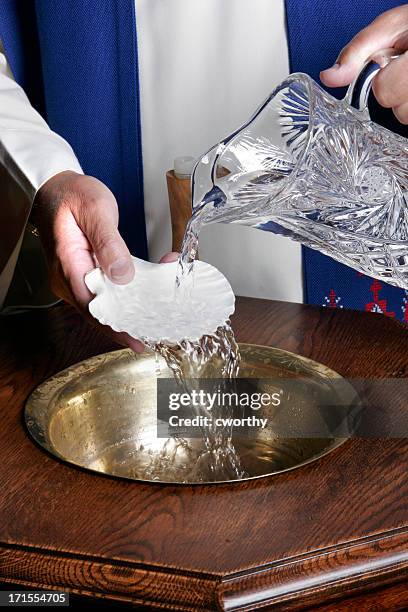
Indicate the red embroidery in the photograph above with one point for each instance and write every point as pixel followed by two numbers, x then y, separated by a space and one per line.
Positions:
pixel 332 301
pixel 404 307
pixel 378 305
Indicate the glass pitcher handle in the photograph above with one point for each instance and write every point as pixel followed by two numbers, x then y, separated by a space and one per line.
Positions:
pixel 359 90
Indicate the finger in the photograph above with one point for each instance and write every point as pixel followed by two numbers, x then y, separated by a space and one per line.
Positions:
pixel 383 32
pixel 169 257
pixel 98 220
pixel 123 339
pixel 390 86
pixel 81 296
pixel 77 294
pixel 74 268
pixel 401 113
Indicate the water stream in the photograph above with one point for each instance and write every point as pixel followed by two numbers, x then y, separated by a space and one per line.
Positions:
pixel 214 356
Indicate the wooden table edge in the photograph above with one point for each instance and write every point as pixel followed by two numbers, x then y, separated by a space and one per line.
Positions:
pixel 355 567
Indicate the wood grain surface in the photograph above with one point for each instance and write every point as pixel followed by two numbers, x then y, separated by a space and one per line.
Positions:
pixel 330 535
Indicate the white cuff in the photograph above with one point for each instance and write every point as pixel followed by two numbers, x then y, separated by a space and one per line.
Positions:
pixel 33 158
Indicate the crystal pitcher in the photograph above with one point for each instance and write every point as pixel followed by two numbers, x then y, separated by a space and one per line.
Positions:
pixel 318 170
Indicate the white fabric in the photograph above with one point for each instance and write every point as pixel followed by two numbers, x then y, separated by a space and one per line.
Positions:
pixel 205 66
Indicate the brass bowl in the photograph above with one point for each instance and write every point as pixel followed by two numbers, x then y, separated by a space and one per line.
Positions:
pixel 100 414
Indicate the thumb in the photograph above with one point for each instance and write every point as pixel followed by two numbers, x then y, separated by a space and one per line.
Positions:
pixel 169 257
pixel 99 225
pixel 380 34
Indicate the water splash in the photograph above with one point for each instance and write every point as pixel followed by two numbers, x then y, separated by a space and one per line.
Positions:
pixel 213 356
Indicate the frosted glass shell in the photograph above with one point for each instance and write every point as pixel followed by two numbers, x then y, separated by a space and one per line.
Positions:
pixel 147 309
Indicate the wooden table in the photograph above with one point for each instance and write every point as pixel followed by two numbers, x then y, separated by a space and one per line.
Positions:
pixel 330 535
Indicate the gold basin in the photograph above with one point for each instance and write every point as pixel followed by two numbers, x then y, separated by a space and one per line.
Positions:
pixel 100 414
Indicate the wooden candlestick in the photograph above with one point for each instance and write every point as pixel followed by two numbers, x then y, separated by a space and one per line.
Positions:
pixel 180 206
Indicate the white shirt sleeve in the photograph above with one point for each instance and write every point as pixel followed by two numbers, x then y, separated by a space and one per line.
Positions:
pixel 29 150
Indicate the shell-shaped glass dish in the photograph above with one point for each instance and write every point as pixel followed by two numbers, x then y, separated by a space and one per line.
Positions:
pixel 149 308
